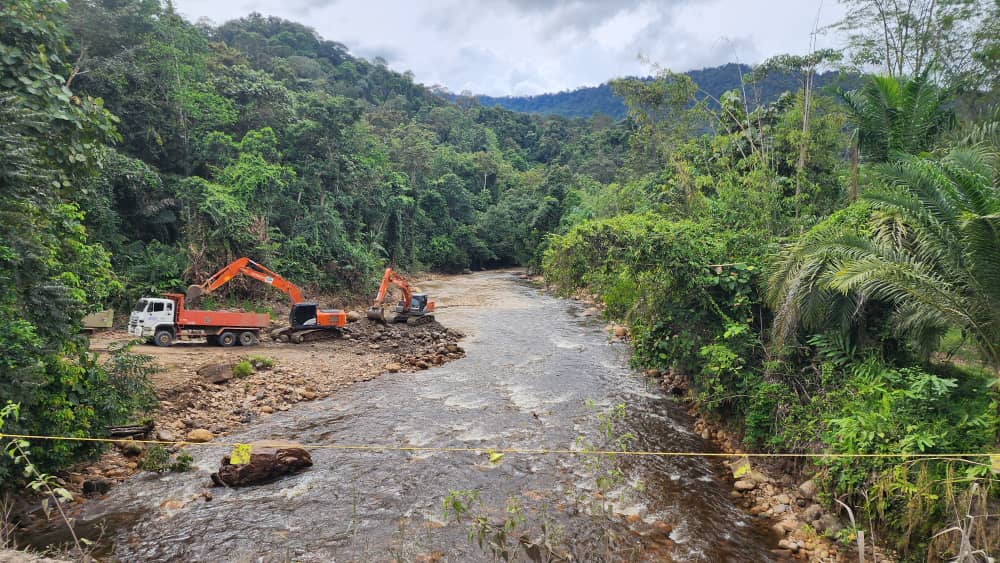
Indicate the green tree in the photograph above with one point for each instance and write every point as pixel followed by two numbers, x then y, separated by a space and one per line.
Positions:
pixel 910 37
pixel 931 253
pixel 894 116
pixel 49 272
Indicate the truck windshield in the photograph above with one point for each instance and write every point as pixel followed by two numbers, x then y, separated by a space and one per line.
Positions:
pixel 140 306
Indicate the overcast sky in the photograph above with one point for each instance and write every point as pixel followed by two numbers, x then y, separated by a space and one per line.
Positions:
pixel 517 47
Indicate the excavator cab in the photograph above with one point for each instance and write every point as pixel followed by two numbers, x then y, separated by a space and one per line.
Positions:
pixel 303 315
pixel 418 305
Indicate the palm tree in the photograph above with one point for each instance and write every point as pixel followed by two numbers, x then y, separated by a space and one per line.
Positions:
pixel 928 247
pixel 893 117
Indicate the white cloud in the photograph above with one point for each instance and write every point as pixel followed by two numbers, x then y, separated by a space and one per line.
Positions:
pixel 501 47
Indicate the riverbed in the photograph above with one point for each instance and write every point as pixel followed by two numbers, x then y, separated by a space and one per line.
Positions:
pixel 539 375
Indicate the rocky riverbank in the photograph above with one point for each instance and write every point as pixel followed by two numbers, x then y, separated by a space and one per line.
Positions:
pixel 202 397
pixel 787 500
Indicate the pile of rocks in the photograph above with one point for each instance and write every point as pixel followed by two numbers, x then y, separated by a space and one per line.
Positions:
pixel 799 520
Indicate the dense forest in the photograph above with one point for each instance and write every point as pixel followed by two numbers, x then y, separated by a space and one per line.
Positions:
pixel 820 264
pixel 714 82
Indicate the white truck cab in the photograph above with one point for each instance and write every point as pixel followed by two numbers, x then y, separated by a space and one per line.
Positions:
pixel 149 313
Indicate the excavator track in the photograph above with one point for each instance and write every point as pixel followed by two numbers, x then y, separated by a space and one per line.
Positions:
pixel 288 334
pixel 421 320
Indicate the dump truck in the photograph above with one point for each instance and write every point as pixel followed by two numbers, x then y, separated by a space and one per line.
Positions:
pixel 163 321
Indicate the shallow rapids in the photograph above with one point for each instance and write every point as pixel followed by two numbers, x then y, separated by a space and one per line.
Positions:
pixel 533 363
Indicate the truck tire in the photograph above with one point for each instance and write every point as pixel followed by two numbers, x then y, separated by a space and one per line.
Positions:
pixel 227 339
pixel 163 338
pixel 248 338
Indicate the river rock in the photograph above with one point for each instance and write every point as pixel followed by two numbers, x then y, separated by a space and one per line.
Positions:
pixel 744 485
pixel 165 435
pixel 353 316
pixel 266 409
pixel 787 525
pixel 783 499
pixel 132 448
pixel 306 394
pixel 216 373
pixel 620 331
pixel 200 435
pixel 828 523
pixel 268 461
pixel 790 545
pixel 812 512
pixel 96 486
pixel 808 489
pixel 393 367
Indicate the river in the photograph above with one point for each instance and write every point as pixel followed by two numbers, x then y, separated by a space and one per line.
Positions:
pixel 537 374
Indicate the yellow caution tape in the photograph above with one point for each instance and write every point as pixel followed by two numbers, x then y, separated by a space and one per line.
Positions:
pixel 956 456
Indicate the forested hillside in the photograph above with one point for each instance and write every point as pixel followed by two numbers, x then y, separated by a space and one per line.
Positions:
pixel 143 152
pixel 714 82
pixel 260 138
pixel 816 267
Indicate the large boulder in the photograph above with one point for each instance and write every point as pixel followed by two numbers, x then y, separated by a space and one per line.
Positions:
pixel 808 489
pixel 268 461
pixel 199 435
pixel 216 373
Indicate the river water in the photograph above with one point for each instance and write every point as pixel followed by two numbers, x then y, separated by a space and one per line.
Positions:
pixel 537 374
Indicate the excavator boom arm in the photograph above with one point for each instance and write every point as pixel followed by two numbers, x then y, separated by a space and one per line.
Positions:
pixel 390 278
pixel 251 269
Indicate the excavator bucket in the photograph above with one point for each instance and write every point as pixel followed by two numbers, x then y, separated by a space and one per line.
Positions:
pixel 193 292
pixel 376 314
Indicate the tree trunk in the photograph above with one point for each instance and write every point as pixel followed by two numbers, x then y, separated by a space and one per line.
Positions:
pixel 804 142
pixel 855 157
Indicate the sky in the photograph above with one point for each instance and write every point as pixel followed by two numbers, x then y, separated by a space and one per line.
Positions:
pixel 525 47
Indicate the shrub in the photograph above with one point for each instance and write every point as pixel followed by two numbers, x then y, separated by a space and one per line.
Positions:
pixel 159 460
pixel 261 362
pixel 242 369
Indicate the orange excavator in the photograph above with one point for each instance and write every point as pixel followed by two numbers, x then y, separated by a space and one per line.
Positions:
pixel 304 319
pixel 413 308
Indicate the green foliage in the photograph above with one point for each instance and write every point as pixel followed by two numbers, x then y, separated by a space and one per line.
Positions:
pixel 243 369
pixel 159 460
pixel 857 297
pixel 881 409
pixel 259 138
pixel 608 476
pixel 895 115
pixel 41 483
pixel 665 278
pixel 261 362
pixel 930 257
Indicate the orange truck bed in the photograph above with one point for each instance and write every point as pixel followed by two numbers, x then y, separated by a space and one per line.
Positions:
pixel 193 317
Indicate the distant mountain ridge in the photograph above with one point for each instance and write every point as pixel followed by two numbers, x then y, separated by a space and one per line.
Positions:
pixel 590 100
